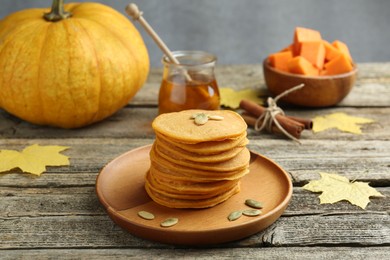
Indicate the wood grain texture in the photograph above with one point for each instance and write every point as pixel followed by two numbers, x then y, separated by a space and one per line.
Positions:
pixel 135 122
pixel 78 231
pixel 58 215
pixel 365 160
pixel 291 253
pixel 63 202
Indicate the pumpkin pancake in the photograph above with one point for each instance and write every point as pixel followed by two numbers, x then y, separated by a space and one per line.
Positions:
pixel 210 147
pixel 155 187
pixel 207 189
pixel 197 165
pixel 189 203
pixel 180 127
pixel 184 173
pixel 239 162
pixel 194 157
pixel 175 196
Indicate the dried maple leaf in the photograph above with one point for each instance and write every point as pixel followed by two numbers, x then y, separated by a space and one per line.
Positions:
pixel 33 159
pixel 336 188
pixel 231 98
pixel 341 121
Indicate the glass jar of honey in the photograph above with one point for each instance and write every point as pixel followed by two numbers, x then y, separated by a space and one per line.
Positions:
pixel 190 84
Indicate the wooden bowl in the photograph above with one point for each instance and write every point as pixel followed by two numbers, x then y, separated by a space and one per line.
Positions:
pixel 319 91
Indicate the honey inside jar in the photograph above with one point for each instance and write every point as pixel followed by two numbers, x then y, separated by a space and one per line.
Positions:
pixel 190 84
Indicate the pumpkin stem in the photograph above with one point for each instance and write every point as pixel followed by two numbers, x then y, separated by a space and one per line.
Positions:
pixel 57 12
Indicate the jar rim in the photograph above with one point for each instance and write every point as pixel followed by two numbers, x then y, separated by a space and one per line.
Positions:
pixel 197 58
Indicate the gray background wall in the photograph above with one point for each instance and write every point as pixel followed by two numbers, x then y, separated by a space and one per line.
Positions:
pixel 245 31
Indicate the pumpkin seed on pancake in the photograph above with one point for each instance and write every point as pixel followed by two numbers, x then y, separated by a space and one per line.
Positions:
pixel 180 126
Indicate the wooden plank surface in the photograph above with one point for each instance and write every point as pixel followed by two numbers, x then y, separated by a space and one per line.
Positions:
pixel 69 218
pixel 66 201
pixel 135 122
pixel 57 215
pixel 79 231
pixel 364 160
pixel 290 253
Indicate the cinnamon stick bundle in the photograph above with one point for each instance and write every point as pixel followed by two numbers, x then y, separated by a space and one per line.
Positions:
pixel 293 125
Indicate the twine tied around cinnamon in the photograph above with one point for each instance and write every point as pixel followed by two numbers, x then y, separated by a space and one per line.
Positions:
pixel 268 118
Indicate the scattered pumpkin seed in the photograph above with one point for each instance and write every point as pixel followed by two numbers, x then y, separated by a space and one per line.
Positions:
pixel 169 222
pixel 254 203
pixel 251 212
pixel 146 215
pixel 234 215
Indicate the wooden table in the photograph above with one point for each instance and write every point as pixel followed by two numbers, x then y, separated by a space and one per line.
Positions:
pixel 58 214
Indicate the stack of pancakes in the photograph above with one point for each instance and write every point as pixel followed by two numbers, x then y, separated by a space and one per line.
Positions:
pixel 197 166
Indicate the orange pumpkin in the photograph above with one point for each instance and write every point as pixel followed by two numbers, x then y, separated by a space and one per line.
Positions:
pixel 69 68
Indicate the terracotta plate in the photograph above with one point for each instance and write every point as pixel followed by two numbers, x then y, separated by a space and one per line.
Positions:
pixel 120 188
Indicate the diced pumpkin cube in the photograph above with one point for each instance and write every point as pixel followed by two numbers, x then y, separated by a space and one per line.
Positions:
pixel 340 64
pixel 310 55
pixel 314 52
pixel 279 60
pixel 331 52
pixel 304 35
pixel 343 48
pixel 300 65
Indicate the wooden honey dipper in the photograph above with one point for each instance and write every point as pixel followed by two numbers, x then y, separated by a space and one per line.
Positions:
pixel 133 11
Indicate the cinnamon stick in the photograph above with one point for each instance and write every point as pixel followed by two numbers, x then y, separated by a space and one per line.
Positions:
pixel 308 123
pixel 251 121
pixel 252 108
pixel 258 110
pixel 292 125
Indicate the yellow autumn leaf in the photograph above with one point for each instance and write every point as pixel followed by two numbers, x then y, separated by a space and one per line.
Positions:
pixel 33 159
pixel 341 121
pixel 336 188
pixel 231 98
